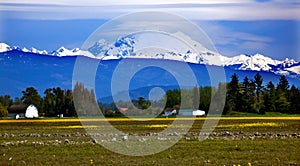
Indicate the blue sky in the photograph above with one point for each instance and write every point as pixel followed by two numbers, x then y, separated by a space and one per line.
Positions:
pixel 269 27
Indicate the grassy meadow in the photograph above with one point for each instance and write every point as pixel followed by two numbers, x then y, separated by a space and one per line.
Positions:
pixel 235 141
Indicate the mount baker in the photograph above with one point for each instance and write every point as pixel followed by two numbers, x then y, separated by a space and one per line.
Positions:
pixel 126 48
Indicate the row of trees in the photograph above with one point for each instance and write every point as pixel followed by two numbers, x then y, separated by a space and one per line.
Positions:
pixel 55 102
pixel 250 95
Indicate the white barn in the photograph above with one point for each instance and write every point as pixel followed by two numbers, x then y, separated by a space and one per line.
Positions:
pixel 31 112
pixel 23 110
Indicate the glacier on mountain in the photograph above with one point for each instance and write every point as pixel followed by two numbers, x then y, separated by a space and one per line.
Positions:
pixel 127 47
pixel 4 47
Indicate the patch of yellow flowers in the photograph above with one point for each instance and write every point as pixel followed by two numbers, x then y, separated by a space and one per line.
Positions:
pixel 249 164
pixel 259 124
pixel 76 127
pixel 157 126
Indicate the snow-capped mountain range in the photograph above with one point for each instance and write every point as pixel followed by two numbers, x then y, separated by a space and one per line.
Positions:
pixel 128 47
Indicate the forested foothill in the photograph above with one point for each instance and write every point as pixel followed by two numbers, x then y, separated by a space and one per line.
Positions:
pixel 249 95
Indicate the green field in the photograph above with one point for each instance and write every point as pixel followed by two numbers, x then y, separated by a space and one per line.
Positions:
pixel 235 141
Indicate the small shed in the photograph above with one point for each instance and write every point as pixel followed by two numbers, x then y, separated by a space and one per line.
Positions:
pixel 186 112
pixel 190 112
pixel 198 113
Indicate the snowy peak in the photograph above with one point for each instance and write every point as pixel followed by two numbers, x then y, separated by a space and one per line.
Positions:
pixel 34 50
pixel 4 47
pixel 259 62
pixel 121 48
pixel 62 51
pixel 255 62
pixel 126 47
pixel 146 47
pixel 289 62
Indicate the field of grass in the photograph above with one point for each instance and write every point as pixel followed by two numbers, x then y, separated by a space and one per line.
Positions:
pixel 234 141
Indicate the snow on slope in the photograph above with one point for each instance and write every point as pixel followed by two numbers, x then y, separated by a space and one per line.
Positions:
pixel 4 47
pixel 62 51
pixel 256 62
pixel 127 47
pixel 181 48
pixel 295 69
pixel 34 50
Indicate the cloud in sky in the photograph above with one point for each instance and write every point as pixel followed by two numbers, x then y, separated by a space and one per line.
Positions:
pixel 192 9
pixel 231 40
pixel 259 37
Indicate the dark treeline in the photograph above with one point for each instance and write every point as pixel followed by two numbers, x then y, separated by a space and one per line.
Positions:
pixel 55 102
pixel 248 95
pixel 251 95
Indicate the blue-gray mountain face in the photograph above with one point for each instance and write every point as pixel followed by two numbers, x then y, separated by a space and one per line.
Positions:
pixel 20 70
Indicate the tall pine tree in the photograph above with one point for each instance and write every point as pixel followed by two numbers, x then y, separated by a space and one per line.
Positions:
pixel 294 100
pixel 233 94
pixel 245 102
pixel 269 98
pixel 258 80
pixel 282 104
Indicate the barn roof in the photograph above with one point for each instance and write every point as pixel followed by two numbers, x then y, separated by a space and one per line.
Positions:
pixel 17 108
pixel 123 109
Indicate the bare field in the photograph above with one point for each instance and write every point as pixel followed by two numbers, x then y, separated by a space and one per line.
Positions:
pixel 234 141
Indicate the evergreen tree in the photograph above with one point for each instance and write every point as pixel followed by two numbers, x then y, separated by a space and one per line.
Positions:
pixel 49 102
pixel 248 98
pixel 69 104
pixel 219 100
pixel 173 98
pixel 258 93
pixel 252 97
pixel 283 84
pixel 85 101
pixel 294 100
pixel 233 94
pixel 59 98
pixel 282 104
pixel 58 101
pixel 245 95
pixel 205 97
pixel 269 98
pixel 196 97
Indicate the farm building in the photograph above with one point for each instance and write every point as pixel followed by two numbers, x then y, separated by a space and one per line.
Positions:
pixel 191 112
pixel 22 110
pixel 123 109
pixel 169 111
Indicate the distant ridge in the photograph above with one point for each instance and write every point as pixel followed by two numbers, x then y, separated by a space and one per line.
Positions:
pixel 125 48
